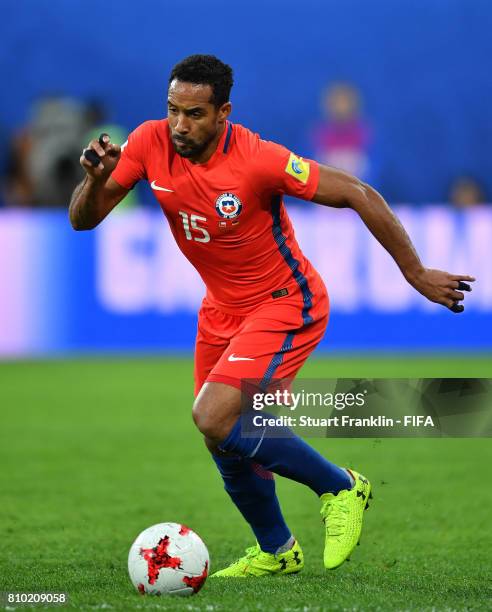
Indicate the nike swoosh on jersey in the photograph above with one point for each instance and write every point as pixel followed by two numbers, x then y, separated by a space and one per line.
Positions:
pixel 233 358
pixel 157 188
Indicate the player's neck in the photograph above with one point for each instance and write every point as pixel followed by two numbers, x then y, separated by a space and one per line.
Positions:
pixel 204 157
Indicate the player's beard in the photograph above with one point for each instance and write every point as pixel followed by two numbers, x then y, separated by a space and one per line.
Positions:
pixel 191 148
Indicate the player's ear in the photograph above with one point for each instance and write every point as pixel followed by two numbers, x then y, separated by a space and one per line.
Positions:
pixel 225 110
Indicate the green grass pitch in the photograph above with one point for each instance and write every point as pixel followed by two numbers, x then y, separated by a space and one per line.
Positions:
pixel 95 450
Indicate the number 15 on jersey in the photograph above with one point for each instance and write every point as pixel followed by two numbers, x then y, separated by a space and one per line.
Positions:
pixel 191 228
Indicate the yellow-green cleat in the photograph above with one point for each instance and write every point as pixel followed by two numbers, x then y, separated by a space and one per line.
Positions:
pixel 342 515
pixel 258 563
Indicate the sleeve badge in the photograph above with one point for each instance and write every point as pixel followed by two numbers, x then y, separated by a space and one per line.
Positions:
pixel 298 168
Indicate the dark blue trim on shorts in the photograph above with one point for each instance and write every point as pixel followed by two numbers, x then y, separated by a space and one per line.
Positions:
pixel 277 360
pixel 228 137
pixel 293 264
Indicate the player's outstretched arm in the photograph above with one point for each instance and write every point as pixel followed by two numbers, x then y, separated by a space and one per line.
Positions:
pixel 341 190
pixel 96 196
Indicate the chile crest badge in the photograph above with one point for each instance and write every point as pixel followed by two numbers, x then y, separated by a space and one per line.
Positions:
pixel 228 207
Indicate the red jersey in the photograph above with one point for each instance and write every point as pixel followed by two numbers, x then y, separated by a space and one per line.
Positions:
pixel 227 215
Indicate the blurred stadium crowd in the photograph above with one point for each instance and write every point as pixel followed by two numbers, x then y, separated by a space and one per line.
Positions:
pixel 41 160
pixel 396 93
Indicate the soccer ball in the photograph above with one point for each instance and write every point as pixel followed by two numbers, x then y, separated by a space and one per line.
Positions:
pixel 168 559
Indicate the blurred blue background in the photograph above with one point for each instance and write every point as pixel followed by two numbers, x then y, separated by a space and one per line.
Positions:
pixel 422 66
pixel 422 120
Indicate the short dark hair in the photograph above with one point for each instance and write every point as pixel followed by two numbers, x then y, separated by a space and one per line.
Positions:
pixel 206 70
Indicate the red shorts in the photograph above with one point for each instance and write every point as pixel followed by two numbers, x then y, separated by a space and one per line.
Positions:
pixel 272 342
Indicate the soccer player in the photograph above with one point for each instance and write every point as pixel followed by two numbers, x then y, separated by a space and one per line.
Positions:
pixel 266 308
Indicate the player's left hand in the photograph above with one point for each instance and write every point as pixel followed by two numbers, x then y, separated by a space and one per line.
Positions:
pixel 443 288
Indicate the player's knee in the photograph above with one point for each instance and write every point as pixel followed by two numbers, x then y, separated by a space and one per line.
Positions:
pixel 210 420
pixel 207 421
pixel 216 410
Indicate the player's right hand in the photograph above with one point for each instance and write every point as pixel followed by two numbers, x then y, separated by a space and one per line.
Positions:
pixel 109 154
